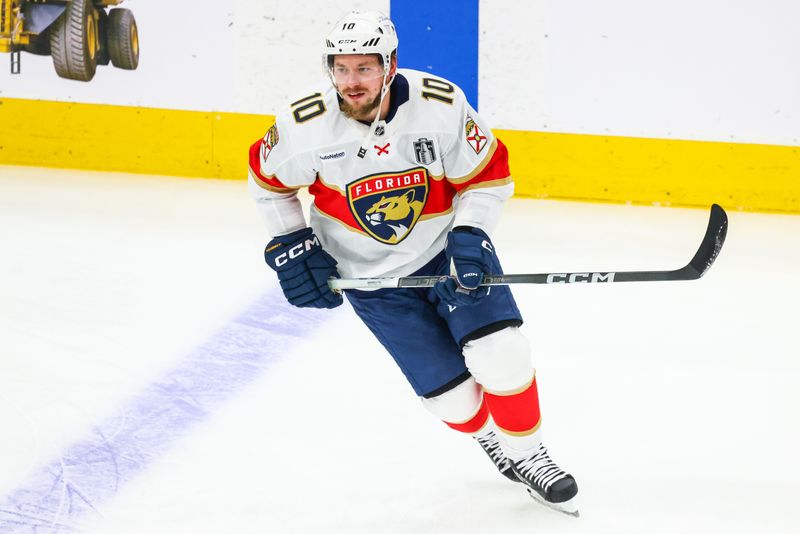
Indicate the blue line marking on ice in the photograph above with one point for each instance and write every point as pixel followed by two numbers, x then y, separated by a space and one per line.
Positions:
pixel 440 37
pixel 91 472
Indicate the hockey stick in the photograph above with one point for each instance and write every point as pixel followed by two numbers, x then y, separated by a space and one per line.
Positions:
pixel 697 267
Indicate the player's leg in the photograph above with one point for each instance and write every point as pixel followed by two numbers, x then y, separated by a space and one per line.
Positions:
pixel 414 335
pixel 419 340
pixel 498 356
pixel 501 363
pixel 463 408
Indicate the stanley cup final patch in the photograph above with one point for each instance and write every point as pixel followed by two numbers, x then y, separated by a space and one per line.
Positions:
pixel 388 205
pixel 269 142
pixel 475 137
pixel 424 151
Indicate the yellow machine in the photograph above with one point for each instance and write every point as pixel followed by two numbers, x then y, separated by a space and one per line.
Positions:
pixel 78 34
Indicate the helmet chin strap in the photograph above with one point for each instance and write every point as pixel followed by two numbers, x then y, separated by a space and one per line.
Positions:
pixel 362 151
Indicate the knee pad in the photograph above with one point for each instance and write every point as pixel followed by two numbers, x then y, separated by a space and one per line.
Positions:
pixel 501 361
pixel 456 405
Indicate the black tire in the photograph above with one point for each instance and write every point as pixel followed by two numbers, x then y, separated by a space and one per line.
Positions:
pixel 102 37
pixel 73 41
pixel 123 39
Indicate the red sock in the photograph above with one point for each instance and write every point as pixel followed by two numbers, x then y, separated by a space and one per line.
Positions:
pixel 517 413
pixel 475 423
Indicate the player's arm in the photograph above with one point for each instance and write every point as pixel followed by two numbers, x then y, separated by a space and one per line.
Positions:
pixel 277 202
pixel 276 173
pixel 476 164
pixel 477 167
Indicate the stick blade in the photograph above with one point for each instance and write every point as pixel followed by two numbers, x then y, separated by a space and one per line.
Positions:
pixel 712 242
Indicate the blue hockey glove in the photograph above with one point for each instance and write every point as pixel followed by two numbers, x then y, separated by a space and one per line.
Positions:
pixel 469 252
pixel 303 269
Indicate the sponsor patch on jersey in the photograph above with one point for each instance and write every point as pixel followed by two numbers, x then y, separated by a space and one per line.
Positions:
pixel 388 205
pixel 269 142
pixel 336 154
pixel 424 152
pixel 475 137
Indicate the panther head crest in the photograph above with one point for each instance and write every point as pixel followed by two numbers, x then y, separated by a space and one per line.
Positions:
pixel 398 212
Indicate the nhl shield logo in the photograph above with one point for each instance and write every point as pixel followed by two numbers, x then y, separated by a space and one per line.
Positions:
pixel 388 205
pixel 424 151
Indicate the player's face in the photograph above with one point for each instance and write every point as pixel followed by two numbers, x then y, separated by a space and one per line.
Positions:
pixel 359 79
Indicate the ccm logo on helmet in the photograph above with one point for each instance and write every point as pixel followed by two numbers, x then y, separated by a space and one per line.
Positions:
pixel 296 251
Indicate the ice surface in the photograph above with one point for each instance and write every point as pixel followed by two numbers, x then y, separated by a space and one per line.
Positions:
pixel 153 380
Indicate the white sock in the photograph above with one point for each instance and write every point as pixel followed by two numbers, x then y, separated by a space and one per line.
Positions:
pixel 519 447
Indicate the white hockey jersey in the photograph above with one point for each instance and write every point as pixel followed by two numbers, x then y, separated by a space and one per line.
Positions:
pixel 433 164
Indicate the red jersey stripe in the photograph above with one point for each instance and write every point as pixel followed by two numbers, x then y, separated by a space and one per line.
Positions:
pixel 332 203
pixel 440 197
pixel 270 183
pixel 495 169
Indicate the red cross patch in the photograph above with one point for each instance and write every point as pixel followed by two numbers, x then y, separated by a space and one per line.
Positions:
pixel 382 149
pixel 475 137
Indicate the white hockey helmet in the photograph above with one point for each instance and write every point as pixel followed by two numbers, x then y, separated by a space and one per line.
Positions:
pixel 370 32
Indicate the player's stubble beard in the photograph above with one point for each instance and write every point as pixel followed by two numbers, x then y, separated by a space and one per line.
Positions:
pixel 360 113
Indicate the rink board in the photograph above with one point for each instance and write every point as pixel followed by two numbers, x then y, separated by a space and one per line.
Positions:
pixel 545 165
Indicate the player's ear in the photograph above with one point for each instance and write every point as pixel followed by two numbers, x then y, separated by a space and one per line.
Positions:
pixel 393 64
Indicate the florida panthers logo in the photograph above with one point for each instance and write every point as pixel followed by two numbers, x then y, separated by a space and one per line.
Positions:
pixel 387 206
pixel 398 212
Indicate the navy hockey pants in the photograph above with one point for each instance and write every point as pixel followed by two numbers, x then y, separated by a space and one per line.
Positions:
pixel 424 335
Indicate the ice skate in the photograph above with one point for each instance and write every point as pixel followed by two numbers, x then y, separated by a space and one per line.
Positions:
pixel 490 444
pixel 547 483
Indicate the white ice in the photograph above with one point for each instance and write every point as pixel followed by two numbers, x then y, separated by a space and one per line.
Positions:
pixel 675 405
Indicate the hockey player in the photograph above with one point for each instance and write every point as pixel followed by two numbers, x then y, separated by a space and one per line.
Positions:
pixel 406 179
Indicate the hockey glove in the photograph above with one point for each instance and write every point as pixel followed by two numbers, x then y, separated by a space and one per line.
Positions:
pixel 469 252
pixel 303 269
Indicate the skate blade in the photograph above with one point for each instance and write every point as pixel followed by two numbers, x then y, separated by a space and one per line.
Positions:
pixel 569 507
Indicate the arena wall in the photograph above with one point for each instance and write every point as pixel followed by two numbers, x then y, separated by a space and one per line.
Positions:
pixel 675 103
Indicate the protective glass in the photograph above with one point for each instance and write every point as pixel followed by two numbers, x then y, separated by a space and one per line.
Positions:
pixel 349 74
